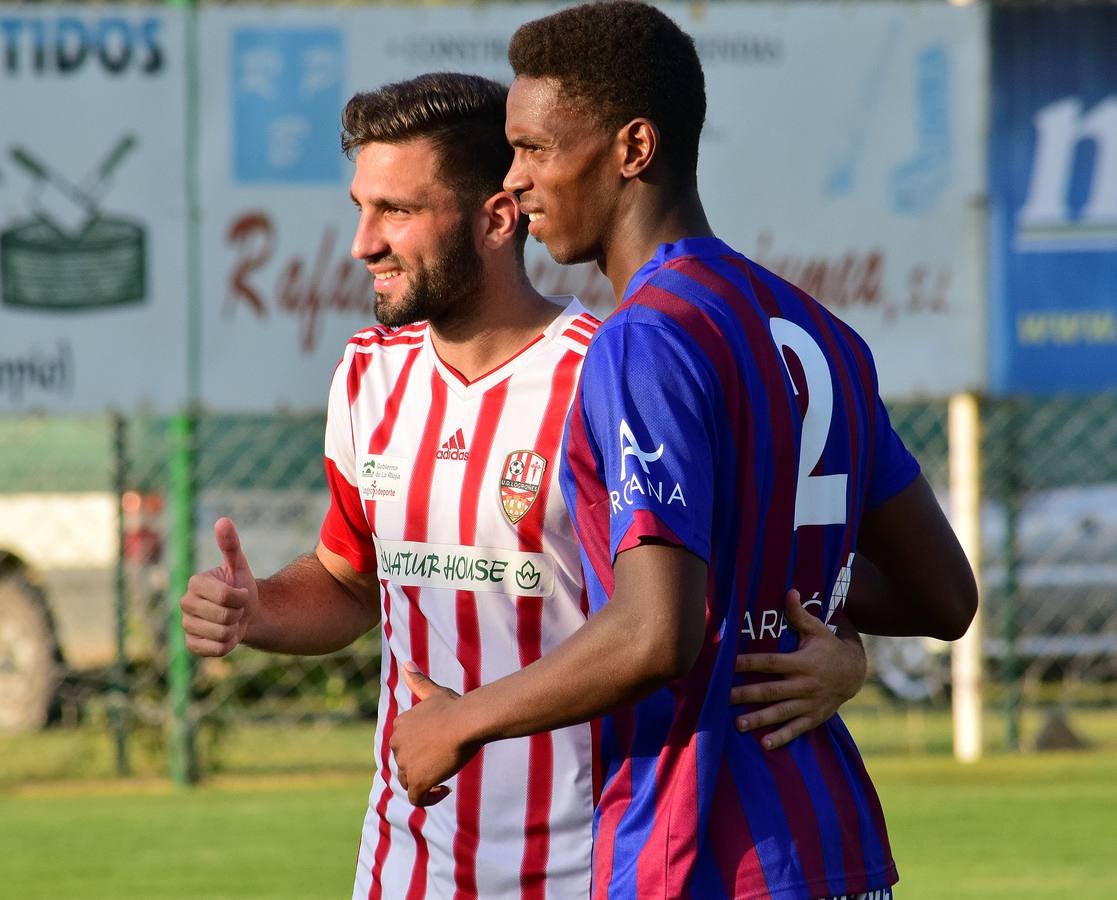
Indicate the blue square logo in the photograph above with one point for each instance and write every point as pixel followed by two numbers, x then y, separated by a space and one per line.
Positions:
pixel 287 96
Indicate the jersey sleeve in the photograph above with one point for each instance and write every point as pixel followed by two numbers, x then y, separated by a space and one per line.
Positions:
pixel 345 529
pixel 893 466
pixel 646 401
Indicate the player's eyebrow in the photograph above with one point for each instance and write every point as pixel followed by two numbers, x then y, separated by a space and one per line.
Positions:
pixel 525 140
pixel 416 202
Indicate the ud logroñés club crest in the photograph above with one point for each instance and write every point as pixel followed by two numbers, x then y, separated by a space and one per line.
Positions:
pixel 520 481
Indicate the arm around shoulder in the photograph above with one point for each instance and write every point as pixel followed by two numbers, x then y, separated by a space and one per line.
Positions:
pixel 911 576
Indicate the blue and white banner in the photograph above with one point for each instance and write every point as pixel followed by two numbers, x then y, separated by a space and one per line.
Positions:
pixel 1053 187
pixel 843 148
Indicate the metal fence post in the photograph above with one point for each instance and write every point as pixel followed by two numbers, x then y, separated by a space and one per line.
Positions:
pixel 1011 626
pixel 180 668
pixel 118 707
pixel 964 430
pixel 183 755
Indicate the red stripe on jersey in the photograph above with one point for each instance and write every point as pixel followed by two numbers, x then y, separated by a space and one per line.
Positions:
pixel 592 531
pixel 577 336
pixel 384 840
pixel 357 368
pixel 529 626
pixel 380 336
pixel 802 821
pixel 841 795
pixel 417 887
pixel 383 433
pixel 646 524
pixel 764 296
pixel 344 531
pixel 467 836
pixel 611 807
pixel 675 825
pixel 587 322
pixel 415 529
pixel 581 329
pixel 741 874
pixel 379 440
pixel 597 773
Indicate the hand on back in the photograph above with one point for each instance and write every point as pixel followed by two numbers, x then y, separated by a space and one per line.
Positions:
pixel 806 686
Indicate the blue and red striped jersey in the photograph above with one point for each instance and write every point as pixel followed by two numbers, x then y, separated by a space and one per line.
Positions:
pixel 723 410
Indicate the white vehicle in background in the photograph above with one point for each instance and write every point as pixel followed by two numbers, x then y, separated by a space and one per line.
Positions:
pixel 1060 590
pixel 57 557
pixel 58 581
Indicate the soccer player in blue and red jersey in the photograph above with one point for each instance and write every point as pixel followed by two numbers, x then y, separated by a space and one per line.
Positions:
pixel 727 442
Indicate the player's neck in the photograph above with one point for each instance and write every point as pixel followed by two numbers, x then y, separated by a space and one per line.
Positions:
pixel 503 320
pixel 655 217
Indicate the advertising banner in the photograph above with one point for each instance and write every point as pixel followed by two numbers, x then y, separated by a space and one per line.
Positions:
pixel 843 149
pixel 92 209
pixel 1053 187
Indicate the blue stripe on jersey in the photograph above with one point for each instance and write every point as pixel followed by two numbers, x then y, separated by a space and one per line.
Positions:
pixel 654 716
pixel 876 860
pixel 828 823
pixel 759 797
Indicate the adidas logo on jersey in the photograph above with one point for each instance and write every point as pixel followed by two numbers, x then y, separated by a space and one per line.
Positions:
pixel 454 447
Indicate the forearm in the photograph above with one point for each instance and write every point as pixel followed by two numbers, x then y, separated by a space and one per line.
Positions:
pixel 910 575
pixel 877 604
pixel 604 664
pixel 647 635
pixel 304 610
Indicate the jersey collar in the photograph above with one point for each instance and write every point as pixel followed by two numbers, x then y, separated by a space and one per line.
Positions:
pixel 701 247
pixel 457 383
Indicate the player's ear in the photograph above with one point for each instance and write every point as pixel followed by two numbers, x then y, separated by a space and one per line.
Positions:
pixel 637 143
pixel 502 214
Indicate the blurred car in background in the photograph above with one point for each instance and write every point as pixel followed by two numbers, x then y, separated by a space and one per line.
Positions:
pixel 1048 601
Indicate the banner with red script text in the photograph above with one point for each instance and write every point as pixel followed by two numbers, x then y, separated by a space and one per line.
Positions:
pixel 843 149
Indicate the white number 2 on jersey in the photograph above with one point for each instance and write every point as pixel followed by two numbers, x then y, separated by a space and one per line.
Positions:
pixel 819 499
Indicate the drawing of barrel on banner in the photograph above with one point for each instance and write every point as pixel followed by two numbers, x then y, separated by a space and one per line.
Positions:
pixel 69 255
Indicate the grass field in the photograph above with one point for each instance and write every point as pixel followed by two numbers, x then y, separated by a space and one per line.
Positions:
pixel 1010 826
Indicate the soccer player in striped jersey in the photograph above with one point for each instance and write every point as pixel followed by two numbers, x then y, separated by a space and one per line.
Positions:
pixel 727 442
pixel 446 524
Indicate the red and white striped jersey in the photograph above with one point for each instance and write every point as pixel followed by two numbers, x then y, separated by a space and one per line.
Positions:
pixel 448 489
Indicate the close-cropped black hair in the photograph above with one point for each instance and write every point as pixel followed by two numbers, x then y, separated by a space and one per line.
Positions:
pixel 461 115
pixel 619 60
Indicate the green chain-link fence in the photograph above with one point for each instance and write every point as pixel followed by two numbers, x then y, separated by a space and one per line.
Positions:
pixel 84 597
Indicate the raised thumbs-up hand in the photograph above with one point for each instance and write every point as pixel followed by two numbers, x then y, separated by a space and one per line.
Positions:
pixel 218 604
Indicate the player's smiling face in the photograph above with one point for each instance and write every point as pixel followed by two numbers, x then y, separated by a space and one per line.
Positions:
pixel 413 235
pixel 563 171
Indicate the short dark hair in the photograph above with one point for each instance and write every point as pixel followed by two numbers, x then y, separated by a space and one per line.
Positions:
pixel 621 60
pixel 461 115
